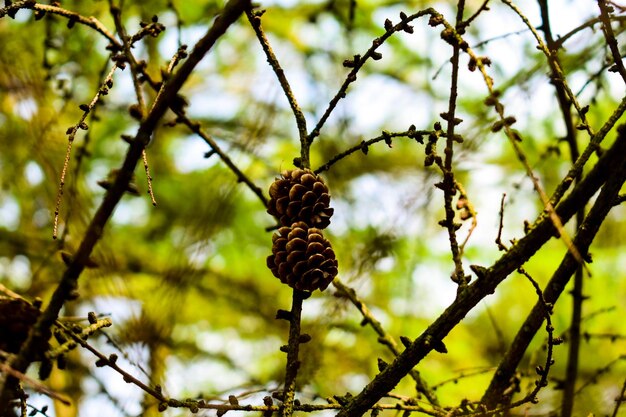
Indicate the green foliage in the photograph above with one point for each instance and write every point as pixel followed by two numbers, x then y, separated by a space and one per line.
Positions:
pixel 186 282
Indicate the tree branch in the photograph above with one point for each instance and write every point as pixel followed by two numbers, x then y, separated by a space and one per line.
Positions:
pixel 91 21
pixel 559 280
pixel 608 166
pixel 607 29
pixel 385 338
pixel 565 107
pixel 365 144
pixel 69 282
pixel 255 21
pixel 293 349
pixel 357 63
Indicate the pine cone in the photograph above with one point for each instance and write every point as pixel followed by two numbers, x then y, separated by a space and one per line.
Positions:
pixel 300 195
pixel 302 258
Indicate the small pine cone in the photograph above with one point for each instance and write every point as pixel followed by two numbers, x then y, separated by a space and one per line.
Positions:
pixel 300 195
pixel 302 258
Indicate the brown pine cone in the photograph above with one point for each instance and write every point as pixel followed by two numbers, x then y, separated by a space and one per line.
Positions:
pixel 300 195
pixel 302 258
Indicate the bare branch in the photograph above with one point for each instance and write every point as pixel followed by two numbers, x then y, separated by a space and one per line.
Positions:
pixel 607 29
pixel 71 135
pixel 67 286
pixel 254 17
pixel 36 385
pixel 357 62
pixel 385 338
pixel 364 145
pixel 91 21
pixel 293 349
pixel 560 278
pixel 491 277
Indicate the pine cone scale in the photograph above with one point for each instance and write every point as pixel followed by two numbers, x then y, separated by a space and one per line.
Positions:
pixel 297 191
pixel 283 270
pixel 296 245
pixel 294 209
pixel 316 260
pixel 308 179
pixel 320 188
pixel 300 268
pixel 314 248
pixel 310 198
pixel 281 205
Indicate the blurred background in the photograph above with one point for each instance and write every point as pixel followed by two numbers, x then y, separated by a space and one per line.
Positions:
pixel 185 283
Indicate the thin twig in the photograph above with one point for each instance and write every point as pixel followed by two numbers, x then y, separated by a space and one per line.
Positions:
pixel 384 338
pixel 588 24
pixel 496 38
pixel 620 400
pixel 103 90
pixel 81 153
pixel 71 132
pixel 583 239
pixel 607 29
pixel 552 341
pixel 91 21
pixel 195 405
pixel 196 127
pixel 293 348
pixel 483 7
pixel 33 383
pixel 357 63
pixel 135 71
pixel 462 375
pixel 111 362
pixel 593 379
pixel 448 184
pixel 83 335
pixel 505 123
pixel 490 278
pixel 470 211
pixel 254 17
pixel 611 336
pixel 152 29
pixel 364 145
pixel 593 145
pixel 595 76
pixel 180 54
pixel 146 167
pixel 42 329
pixel 241 177
pixel 501 246
pixel 558 71
pixel 10 293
